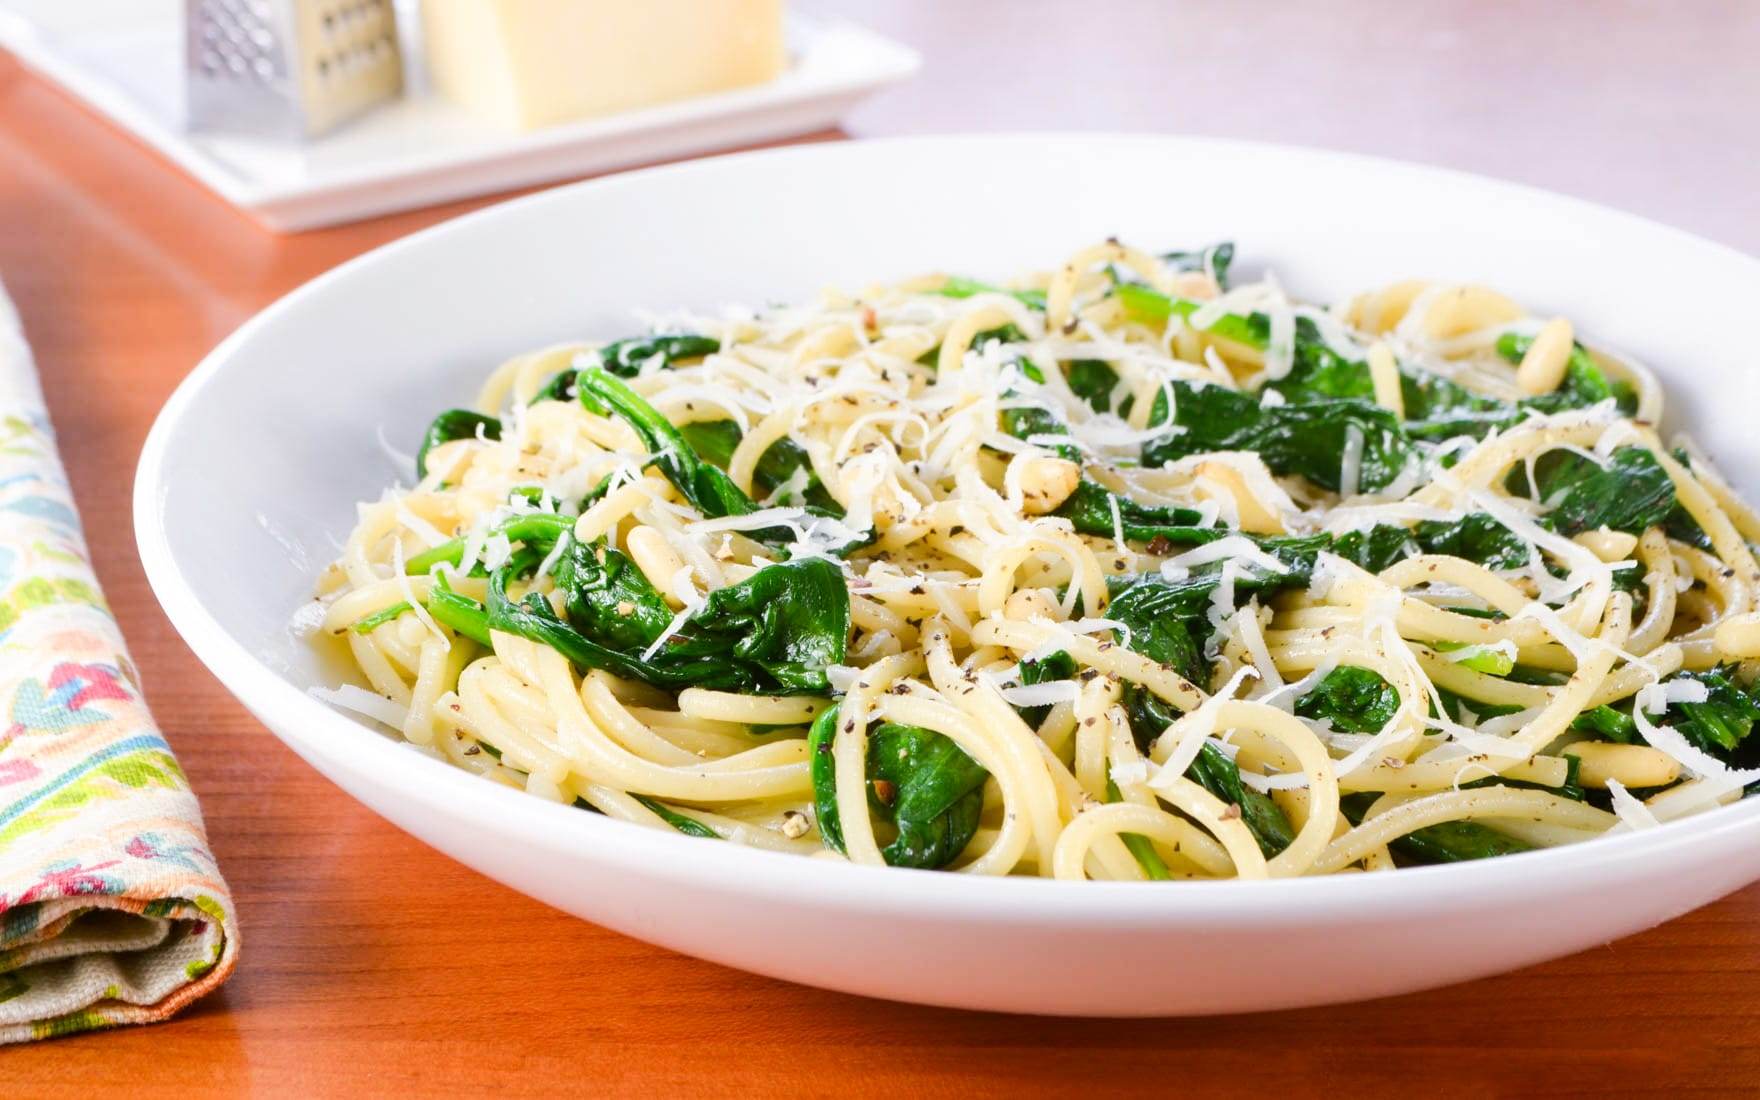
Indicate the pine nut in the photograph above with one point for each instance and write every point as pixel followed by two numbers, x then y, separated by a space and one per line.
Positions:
pixel 1044 482
pixel 1384 372
pixel 1463 309
pixel 1544 364
pixel 1631 765
pixel 1029 603
pixel 1739 636
pixel 1608 545
pixel 1253 517
pixel 657 560
pixel 1195 285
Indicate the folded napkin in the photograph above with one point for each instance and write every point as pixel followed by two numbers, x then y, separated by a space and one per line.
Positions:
pixel 111 909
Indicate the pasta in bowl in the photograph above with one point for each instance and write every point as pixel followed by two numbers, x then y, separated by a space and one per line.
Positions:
pixel 1124 570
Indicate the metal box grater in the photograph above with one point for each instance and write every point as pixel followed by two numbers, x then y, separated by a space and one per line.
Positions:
pixel 294 68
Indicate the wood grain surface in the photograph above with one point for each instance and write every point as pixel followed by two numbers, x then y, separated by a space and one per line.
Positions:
pixel 371 965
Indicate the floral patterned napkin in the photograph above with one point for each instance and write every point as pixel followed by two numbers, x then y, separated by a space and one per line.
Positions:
pixel 111 908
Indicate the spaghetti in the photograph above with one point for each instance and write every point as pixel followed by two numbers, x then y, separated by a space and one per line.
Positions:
pixel 1120 572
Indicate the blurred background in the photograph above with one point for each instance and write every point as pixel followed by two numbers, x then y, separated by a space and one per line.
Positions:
pixel 1649 105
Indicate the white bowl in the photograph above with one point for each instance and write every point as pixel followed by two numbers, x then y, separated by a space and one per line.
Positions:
pixel 251 474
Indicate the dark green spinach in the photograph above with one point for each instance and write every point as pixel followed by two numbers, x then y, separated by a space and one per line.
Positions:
pixel 781 462
pixel 1449 842
pixel 689 826
pixel 919 782
pixel 1305 439
pixel 625 358
pixel 1352 698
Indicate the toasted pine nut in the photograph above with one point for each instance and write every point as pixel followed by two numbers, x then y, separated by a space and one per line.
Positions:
pixel 1255 517
pixel 1196 285
pixel 1463 309
pixel 1547 357
pixel 1384 372
pixel 657 560
pixel 1608 545
pixel 1027 603
pixel 1044 481
pixel 603 517
pixel 1382 310
pixel 1632 765
pixel 1739 636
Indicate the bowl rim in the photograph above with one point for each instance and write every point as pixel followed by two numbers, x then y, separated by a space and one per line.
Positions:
pixel 438 788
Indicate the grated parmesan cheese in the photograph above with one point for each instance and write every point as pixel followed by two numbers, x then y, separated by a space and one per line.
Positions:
pixel 1232 548
pixel 1655 699
pixel 360 701
pixel 911 449
pixel 1632 813
pixel 1350 462
pixel 1190 731
pixel 1044 694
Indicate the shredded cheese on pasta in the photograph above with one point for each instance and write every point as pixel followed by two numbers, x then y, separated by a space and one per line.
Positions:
pixel 941 441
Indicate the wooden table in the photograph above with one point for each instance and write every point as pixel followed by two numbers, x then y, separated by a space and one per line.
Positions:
pixel 372 964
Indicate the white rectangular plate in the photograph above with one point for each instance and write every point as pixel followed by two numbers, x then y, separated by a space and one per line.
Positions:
pixel 125 58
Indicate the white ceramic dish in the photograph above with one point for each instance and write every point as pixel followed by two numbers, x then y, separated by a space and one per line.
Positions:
pixel 252 470
pixel 125 58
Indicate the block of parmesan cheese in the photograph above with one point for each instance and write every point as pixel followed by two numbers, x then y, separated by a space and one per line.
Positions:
pixel 529 63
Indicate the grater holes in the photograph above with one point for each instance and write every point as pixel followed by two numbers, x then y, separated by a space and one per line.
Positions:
pixel 340 54
pixel 236 42
pixel 358 35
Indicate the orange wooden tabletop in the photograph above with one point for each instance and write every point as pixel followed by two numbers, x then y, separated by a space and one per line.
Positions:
pixel 372 964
